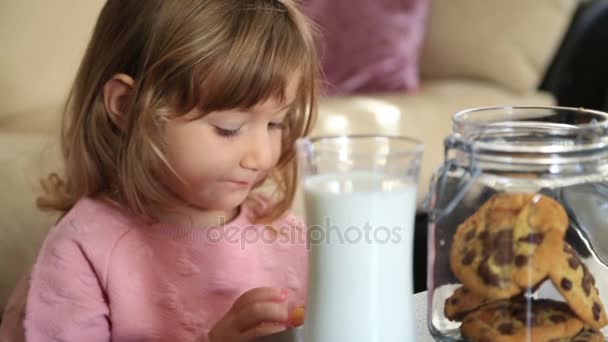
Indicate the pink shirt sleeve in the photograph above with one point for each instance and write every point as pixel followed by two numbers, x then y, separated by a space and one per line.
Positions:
pixel 66 301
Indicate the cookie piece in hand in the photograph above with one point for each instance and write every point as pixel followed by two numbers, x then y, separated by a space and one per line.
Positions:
pixel 573 280
pixel 460 303
pixel 296 317
pixel 508 244
pixel 532 320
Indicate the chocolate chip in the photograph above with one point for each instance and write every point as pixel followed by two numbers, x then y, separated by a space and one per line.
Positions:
pixel 503 244
pixel 454 301
pixel 521 260
pixel 470 235
pixel 597 310
pixel 486 252
pixel 506 329
pixel 503 237
pixel 568 249
pixel 587 274
pixel 486 244
pixel 520 314
pixel 566 284
pixel 574 263
pixel 534 238
pixel 504 255
pixel 557 319
pixel 486 274
pixel 587 283
pixel 465 290
pixel 526 317
pixel 468 258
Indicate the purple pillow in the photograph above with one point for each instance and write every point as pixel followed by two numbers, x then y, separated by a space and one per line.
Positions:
pixel 369 46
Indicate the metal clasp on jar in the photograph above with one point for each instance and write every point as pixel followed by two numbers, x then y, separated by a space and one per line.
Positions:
pixel 437 187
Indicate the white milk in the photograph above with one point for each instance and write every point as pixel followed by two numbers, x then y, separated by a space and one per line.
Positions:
pixel 360 288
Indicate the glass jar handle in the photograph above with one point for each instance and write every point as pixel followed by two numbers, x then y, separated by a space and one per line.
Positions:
pixel 429 200
pixel 438 180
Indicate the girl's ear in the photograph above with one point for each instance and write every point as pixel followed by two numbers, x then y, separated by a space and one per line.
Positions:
pixel 115 95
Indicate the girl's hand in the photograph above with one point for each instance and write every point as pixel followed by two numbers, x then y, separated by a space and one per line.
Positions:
pixel 258 312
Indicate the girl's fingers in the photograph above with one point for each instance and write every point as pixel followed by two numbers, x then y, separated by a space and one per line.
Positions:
pixel 256 313
pixel 260 294
pixel 263 329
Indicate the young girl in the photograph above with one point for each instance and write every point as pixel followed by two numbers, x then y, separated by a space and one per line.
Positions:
pixel 180 110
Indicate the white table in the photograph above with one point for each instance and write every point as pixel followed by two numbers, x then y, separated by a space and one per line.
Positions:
pixel 420 307
pixel 422 331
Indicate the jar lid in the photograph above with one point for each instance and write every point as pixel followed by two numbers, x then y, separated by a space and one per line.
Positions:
pixel 533 129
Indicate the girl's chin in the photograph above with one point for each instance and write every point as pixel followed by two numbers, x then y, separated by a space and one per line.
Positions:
pixel 227 203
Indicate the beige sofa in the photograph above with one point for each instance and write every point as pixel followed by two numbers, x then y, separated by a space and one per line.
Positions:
pixel 477 53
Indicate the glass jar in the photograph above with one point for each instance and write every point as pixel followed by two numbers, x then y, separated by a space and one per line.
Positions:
pixel 518 226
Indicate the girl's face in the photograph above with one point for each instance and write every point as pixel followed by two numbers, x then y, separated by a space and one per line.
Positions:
pixel 220 156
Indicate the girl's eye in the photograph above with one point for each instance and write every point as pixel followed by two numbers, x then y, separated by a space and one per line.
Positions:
pixel 276 125
pixel 227 133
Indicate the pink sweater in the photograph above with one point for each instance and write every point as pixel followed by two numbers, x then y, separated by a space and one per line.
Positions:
pixel 102 275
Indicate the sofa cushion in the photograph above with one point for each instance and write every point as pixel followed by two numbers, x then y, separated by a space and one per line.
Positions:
pixel 42 43
pixel 425 115
pixel 507 42
pixel 369 45
pixel 24 158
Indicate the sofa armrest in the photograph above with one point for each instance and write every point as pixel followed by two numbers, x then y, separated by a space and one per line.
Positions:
pixel 578 74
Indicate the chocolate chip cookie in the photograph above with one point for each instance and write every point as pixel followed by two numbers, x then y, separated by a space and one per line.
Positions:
pixel 532 320
pixel 585 335
pixel 573 280
pixel 508 244
pixel 461 302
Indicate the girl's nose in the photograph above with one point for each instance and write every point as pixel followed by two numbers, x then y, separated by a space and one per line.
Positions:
pixel 258 152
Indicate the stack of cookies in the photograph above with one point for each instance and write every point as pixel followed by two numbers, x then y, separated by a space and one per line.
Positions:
pixel 502 254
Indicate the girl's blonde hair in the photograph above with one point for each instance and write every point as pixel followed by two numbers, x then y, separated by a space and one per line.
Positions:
pixel 182 54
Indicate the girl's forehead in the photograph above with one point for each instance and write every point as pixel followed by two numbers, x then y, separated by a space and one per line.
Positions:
pixel 290 93
pixel 292 86
pixel 273 105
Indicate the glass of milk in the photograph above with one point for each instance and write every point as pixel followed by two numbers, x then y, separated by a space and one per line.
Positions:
pixel 360 200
